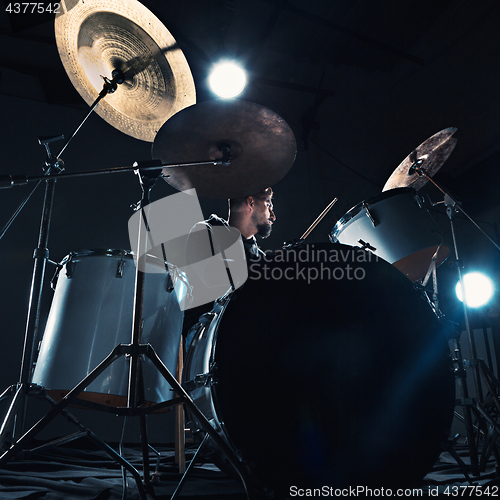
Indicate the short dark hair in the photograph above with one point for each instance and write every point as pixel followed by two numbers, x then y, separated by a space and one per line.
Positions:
pixel 236 203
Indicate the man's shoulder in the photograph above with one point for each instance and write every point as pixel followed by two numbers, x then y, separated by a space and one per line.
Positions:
pixel 215 220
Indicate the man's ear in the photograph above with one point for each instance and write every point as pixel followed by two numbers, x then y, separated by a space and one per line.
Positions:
pixel 250 202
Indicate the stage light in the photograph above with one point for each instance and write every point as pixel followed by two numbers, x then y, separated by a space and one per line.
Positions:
pixel 227 79
pixel 478 289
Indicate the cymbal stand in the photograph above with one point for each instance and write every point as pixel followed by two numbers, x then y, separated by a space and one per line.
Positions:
pixel 432 299
pixel 479 369
pixel 135 351
pixel 147 182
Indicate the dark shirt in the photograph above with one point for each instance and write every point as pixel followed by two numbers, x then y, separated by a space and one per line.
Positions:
pixel 252 251
pixel 249 244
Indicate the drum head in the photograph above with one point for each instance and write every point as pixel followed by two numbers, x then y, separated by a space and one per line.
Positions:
pixel 332 371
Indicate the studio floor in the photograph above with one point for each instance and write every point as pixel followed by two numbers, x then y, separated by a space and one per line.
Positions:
pixel 82 472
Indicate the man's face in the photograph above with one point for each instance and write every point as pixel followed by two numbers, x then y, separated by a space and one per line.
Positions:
pixel 263 216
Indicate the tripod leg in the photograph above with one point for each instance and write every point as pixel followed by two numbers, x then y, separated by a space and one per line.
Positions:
pixel 488 447
pixel 139 393
pixel 469 429
pixel 466 403
pixel 59 407
pixel 450 448
pixel 145 448
pixel 490 381
pixel 493 425
pixel 189 467
pixel 221 443
pixel 492 384
pixel 104 447
pixel 11 412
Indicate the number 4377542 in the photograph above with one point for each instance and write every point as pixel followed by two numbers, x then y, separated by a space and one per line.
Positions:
pixel 33 8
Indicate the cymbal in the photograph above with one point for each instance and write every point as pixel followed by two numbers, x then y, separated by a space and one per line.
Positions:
pixel 434 152
pixel 262 148
pixel 95 37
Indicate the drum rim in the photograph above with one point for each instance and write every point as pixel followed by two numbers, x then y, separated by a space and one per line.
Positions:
pixel 101 252
pixel 111 252
pixel 351 213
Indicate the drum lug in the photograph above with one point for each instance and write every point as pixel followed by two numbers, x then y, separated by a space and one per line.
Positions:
pixel 70 266
pixel 53 281
pixel 366 246
pixel 420 200
pixel 121 265
pixel 203 379
pixel 369 215
pixel 200 380
pixel 170 282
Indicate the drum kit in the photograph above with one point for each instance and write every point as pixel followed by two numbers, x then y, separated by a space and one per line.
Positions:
pixel 336 408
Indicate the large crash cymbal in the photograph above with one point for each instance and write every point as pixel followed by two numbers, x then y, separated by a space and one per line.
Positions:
pixel 95 37
pixel 262 148
pixel 434 152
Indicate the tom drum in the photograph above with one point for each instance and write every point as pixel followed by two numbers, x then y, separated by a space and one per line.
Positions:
pixel 397 227
pixel 91 313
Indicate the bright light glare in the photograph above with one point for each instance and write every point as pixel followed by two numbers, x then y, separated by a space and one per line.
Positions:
pixel 227 80
pixel 478 289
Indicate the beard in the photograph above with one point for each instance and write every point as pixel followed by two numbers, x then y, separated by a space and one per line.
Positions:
pixel 263 226
pixel 264 230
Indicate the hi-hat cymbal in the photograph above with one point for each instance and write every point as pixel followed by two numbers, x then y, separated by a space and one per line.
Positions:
pixel 95 37
pixel 434 152
pixel 262 148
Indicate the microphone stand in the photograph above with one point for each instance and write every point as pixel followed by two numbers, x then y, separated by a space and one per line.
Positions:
pixel 479 368
pixel 41 256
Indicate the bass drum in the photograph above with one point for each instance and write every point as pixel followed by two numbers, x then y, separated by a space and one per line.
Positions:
pixel 327 368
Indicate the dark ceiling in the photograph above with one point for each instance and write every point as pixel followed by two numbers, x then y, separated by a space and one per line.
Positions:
pixel 360 82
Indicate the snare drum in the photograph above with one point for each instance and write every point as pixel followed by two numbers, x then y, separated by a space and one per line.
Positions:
pixel 91 313
pixel 397 227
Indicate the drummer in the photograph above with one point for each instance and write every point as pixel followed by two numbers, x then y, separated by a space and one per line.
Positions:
pixel 252 216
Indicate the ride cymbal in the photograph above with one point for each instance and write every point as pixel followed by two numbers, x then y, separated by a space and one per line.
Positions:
pixel 95 37
pixel 262 148
pixel 434 152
